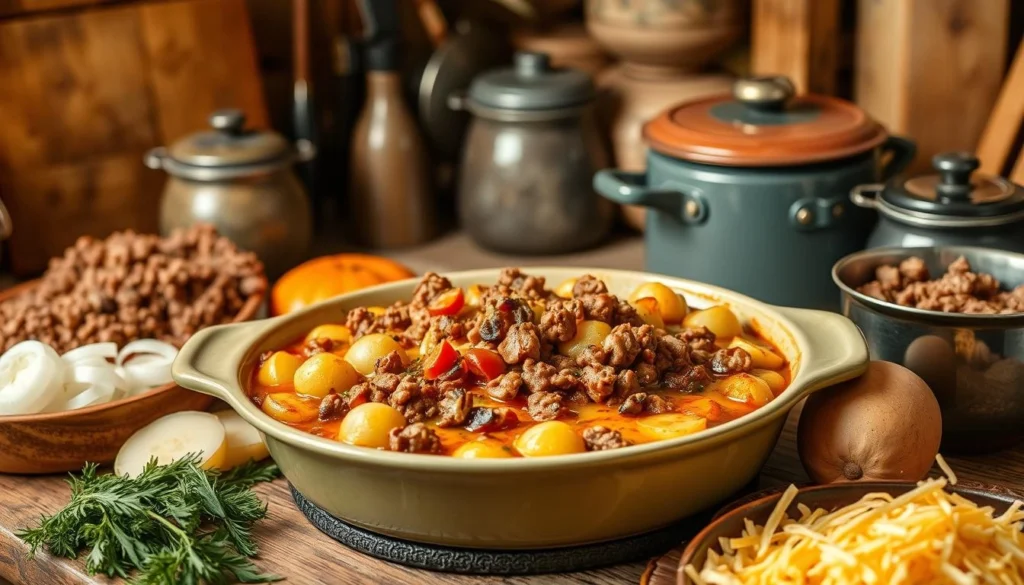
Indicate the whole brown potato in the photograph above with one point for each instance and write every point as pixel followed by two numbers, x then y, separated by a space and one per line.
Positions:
pixel 885 425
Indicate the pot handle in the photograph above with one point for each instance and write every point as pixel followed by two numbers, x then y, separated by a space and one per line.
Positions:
pixel 630 188
pixel 154 158
pixel 903 152
pixel 836 352
pixel 208 362
pixel 866 196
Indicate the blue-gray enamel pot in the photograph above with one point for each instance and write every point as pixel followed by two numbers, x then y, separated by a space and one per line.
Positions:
pixel 751 191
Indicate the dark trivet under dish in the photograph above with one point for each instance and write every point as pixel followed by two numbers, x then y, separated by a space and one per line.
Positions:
pixel 500 562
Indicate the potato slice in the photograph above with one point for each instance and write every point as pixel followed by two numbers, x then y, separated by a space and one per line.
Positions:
pixel 671 425
pixel 775 380
pixel 171 437
pixel 746 388
pixel 244 441
pixel 760 357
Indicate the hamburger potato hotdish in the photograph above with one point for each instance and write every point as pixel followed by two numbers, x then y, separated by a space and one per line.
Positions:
pixel 514 369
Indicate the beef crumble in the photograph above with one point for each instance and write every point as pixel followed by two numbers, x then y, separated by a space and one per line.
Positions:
pixel 598 438
pixel 415 438
pixel 959 290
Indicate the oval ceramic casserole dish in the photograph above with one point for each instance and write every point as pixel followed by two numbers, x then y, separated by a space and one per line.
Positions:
pixel 526 503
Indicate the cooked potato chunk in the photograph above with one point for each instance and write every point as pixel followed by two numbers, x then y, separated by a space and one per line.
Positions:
pixel 760 357
pixel 746 388
pixel 774 380
pixel 587 333
pixel 289 408
pixel 366 350
pixel 278 369
pixel 553 437
pixel 672 305
pixel 486 449
pixel 368 425
pixel 564 290
pixel 671 425
pixel 649 310
pixel 324 373
pixel 718 319
pixel 338 333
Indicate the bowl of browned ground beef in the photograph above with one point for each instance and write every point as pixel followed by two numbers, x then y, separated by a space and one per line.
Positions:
pixel 955 316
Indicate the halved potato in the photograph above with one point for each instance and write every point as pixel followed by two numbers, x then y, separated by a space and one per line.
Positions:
pixel 672 305
pixel 760 357
pixel 746 388
pixel 718 319
pixel 649 310
pixel 775 380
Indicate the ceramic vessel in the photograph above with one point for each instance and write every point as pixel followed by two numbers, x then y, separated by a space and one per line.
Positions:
pixel 974 364
pixel 567 45
pixel 666 33
pixel 955 206
pixel 554 501
pixel 750 191
pixel 730 524
pixel 632 96
pixel 64 441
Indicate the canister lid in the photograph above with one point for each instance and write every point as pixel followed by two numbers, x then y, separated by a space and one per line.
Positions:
pixel 229 143
pixel 764 124
pixel 531 84
pixel 955 190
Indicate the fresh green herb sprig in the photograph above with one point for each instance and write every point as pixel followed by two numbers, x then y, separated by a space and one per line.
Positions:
pixel 174 524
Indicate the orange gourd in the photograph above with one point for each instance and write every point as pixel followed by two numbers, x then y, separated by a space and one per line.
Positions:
pixel 329 276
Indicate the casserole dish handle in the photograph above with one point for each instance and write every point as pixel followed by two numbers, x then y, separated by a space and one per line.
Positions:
pixel 210 360
pixel 836 350
pixel 629 188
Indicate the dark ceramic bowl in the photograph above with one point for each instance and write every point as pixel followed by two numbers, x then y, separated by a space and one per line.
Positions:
pixel 729 522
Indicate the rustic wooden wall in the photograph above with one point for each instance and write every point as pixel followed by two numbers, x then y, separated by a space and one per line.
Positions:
pixel 86 91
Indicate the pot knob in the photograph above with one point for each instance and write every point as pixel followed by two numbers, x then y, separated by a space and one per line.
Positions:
pixel 955 170
pixel 229 121
pixel 769 93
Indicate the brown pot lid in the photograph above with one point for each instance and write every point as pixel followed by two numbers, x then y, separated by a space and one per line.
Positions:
pixel 763 124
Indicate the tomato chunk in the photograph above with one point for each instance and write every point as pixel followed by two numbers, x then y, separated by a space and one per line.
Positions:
pixel 449 302
pixel 440 360
pixel 485 363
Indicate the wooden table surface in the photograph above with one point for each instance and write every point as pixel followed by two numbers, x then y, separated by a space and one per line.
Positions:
pixel 291 547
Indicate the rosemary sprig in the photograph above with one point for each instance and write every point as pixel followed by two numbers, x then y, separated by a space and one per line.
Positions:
pixel 173 524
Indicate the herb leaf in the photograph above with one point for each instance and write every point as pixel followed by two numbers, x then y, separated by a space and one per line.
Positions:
pixel 174 523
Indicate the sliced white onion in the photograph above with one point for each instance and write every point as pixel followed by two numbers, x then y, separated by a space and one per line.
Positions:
pixel 94 394
pixel 144 346
pixel 31 376
pixel 147 375
pixel 106 350
pixel 94 375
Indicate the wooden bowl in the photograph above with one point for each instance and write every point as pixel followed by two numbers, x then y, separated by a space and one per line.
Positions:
pixel 64 441
pixel 757 507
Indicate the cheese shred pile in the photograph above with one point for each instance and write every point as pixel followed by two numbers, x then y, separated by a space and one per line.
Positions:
pixel 927 535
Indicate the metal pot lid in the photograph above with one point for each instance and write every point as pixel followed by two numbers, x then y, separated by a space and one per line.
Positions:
pixel 230 143
pixel 956 190
pixel 531 85
pixel 764 124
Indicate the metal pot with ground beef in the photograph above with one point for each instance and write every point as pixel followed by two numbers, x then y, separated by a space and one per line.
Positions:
pixel 750 191
pixel 954 316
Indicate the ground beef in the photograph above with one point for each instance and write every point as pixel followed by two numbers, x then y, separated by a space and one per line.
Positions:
pixel 733 360
pixel 431 285
pixel 599 382
pixel 131 286
pixel 489 420
pixel 693 379
pixel 359 394
pixel 561 362
pixel 317 345
pixel 454 407
pixel 383 386
pixel 701 342
pixel 598 438
pixel 531 287
pixel 592 356
pixel 521 342
pixel 498 318
pixel 599 307
pixel 389 364
pixel 396 317
pixel 641 402
pixel 621 346
pixel 443 327
pixel 332 407
pixel 505 387
pixel 415 438
pixel 626 313
pixel 672 354
pixel 588 285
pixel 419 323
pixel 959 290
pixel 626 383
pixel 415 398
pixel 545 405
pixel 360 321
pixel 558 323
pixel 543 377
pixel 646 374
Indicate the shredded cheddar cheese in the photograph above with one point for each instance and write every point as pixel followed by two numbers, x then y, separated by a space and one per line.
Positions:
pixel 927 535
